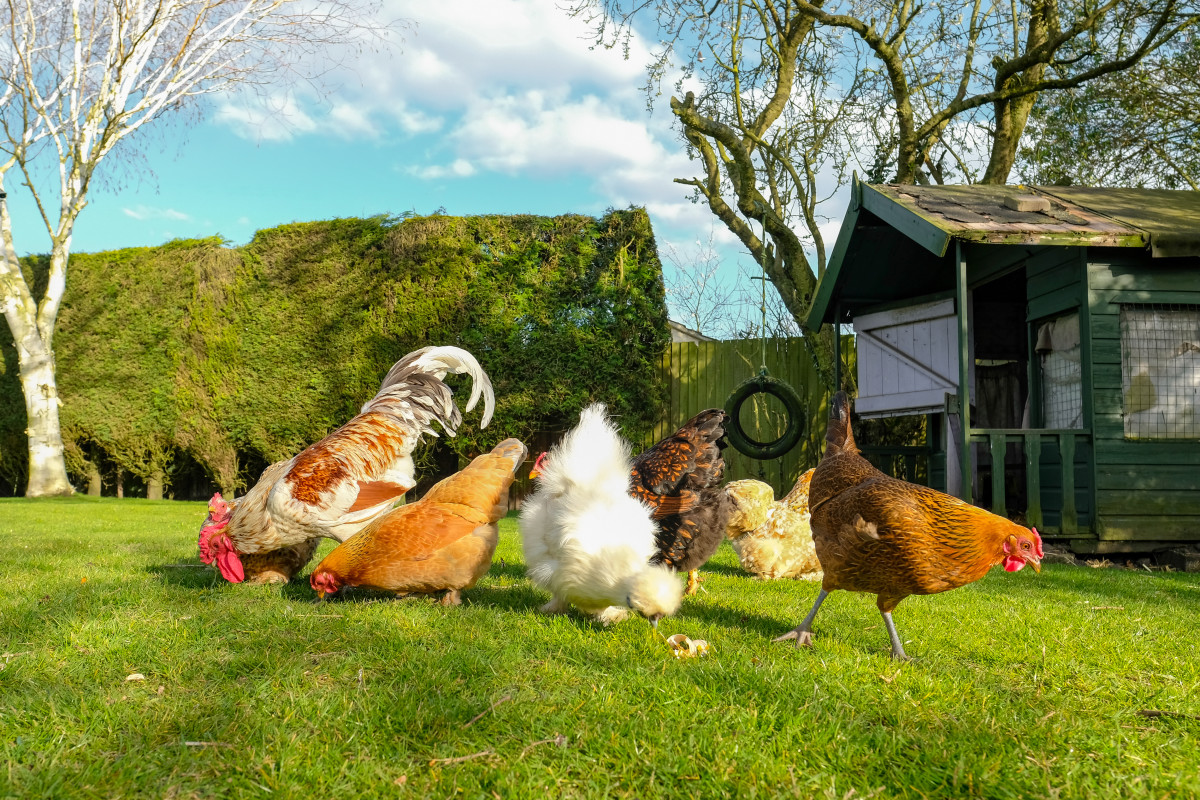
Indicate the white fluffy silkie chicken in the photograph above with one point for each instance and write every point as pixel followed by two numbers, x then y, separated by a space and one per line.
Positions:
pixel 585 539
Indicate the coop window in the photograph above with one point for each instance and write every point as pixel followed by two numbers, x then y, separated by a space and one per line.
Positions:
pixel 1062 379
pixel 1160 371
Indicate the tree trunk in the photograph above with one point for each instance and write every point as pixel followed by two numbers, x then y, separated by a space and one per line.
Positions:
pixel 1011 118
pixel 120 482
pixel 47 465
pixel 93 489
pixel 154 486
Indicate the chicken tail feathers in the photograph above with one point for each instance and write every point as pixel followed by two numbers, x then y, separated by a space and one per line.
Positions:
pixel 839 438
pixel 414 391
pixel 482 484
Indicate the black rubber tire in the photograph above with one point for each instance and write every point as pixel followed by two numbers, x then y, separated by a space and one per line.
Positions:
pixel 792 404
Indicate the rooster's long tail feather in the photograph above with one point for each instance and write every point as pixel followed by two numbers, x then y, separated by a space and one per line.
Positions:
pixel 413 389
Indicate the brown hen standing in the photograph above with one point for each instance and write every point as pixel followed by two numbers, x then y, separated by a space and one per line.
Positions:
pixel 680 479
pixel 891 538
pixel 441 543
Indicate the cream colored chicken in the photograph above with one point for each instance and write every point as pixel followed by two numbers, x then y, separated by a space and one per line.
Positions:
pixel 772 538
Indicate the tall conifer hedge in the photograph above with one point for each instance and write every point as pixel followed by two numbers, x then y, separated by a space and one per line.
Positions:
pixel 195 355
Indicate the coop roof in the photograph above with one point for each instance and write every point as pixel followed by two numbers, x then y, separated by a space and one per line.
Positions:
pixel 890 232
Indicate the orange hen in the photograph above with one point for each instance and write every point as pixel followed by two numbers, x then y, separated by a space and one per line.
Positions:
pixel 887 537
pixel 441 543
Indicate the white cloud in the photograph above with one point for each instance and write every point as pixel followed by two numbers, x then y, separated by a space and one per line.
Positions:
pixel 460 168
pixel 509 87
pixel 142 212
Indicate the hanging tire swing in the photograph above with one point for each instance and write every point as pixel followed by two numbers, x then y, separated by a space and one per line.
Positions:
pixel 793 407
pixel 762 383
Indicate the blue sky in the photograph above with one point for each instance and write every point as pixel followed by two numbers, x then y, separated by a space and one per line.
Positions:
pixel 488 107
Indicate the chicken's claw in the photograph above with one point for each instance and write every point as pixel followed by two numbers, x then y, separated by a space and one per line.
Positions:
pixel 803 638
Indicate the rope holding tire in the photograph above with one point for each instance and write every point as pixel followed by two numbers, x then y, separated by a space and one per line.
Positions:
pixel 793 406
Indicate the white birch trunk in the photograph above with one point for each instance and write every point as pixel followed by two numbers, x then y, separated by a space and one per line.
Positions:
pixel 47 466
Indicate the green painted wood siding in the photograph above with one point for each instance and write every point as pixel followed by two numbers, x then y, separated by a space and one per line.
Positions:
pixel 1145 490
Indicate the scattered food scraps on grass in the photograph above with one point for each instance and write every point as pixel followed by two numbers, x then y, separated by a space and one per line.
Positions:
pixel 558 740
pixel 1108 608
pixel 136 676
pixel 403 779
pixel 683 647
pixel 480 715
pixel 481 754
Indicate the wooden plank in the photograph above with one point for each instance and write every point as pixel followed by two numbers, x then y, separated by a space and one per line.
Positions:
pixel 1053 303
pixel 1070 517
pixel 1147 477
pixel 997 447
pixel 1125 451
pixel 1122 527
pixel 1167 503
pixel 1033 479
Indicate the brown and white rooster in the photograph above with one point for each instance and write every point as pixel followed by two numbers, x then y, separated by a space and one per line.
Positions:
pixel 337 486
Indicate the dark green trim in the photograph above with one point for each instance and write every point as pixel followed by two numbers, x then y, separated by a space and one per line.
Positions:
pixel 827 281
pixel 911 223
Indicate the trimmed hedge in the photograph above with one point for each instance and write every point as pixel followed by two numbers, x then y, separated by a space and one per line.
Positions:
pixel 195 353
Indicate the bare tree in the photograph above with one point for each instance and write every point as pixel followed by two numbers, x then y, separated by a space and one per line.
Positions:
pixel 779 99
pixel 77 80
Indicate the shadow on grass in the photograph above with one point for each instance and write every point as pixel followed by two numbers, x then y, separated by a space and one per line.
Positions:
pixel 188 576
pixel 723 569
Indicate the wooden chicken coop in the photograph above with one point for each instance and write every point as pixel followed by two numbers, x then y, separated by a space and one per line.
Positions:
pixel 1051 335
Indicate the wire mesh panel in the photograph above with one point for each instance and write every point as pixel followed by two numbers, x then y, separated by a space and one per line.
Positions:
pixel 1160 371
pixel 1062 378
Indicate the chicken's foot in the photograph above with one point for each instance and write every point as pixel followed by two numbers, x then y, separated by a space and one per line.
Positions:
pixel 897 648
pixel 556 606
pixel 802 633
pixel 693 583
pixel 452 597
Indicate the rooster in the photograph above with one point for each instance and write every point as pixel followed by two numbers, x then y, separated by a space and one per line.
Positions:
pixel 441 543
pixel 883 536
pixel 585 539
pixel 680 478
pixel 337 486
pixel 772 538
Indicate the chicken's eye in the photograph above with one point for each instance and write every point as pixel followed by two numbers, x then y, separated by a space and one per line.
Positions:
pixel 1024 545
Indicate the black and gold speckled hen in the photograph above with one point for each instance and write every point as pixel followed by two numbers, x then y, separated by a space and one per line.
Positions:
pixel 680 478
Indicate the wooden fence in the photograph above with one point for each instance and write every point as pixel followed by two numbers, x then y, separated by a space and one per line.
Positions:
pixel 702 375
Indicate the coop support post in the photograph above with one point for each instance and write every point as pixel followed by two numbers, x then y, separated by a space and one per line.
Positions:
pixel 964 370
pixel 837 347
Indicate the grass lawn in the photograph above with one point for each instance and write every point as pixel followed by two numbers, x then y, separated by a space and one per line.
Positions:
pixel 1024 685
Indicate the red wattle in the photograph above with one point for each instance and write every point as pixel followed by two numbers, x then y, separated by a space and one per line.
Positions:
pixel 1013 563
pixel 230 565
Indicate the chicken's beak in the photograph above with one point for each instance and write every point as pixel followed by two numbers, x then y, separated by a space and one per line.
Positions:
pixel 653 620
pixel 320 596
pixel 1037 565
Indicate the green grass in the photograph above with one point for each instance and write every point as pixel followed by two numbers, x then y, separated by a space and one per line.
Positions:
pixel 1025 685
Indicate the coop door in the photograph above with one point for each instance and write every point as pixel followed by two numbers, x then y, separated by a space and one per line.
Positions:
pixel 907 360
